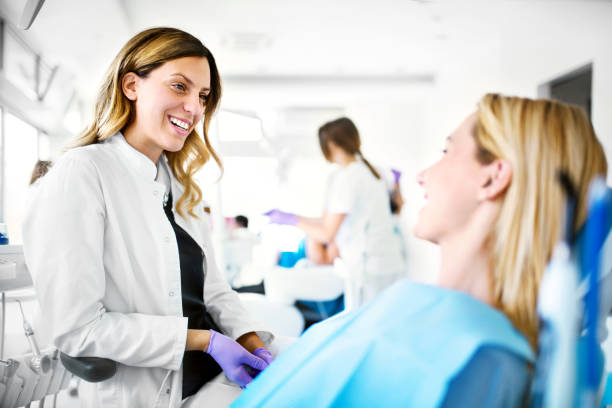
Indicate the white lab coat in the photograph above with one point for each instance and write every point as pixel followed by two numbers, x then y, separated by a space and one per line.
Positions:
pixel 105 264
pixel 366 240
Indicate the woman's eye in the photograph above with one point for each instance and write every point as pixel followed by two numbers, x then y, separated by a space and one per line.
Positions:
pixel 203 97
pixel 180 87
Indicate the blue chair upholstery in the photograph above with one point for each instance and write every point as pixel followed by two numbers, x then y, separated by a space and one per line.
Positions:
pixel 605 296
pixel 607 394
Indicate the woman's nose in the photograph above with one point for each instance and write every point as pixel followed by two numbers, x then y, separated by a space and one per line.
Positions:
pixel 194 106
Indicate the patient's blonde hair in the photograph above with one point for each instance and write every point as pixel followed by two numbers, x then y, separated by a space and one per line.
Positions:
pixel 538 138
pixel 142 54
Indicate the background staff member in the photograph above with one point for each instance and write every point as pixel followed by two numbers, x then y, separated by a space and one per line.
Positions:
pixel 356 217
pixel 122 264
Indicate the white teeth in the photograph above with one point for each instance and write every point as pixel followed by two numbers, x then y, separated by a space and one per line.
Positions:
pixel 179 123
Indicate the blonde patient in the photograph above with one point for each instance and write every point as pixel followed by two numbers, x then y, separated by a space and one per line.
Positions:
pixel 494 207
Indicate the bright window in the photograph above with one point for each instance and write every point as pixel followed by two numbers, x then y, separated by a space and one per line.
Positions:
pixel 21 154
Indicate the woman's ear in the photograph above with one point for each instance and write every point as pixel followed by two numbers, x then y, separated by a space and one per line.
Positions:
pixel 498 176
pixel 129 85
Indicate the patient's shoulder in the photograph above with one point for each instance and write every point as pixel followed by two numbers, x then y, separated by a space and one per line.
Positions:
pixel 493 377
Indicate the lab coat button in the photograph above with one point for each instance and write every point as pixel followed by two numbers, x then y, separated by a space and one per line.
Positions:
pixel 155 192
pixel 167 238
pixel 171 294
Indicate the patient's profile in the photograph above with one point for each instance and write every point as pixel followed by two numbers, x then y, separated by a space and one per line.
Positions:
pixel 494 208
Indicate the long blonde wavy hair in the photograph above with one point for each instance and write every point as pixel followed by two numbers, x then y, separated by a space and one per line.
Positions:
pixel 538 138
pixel 142 54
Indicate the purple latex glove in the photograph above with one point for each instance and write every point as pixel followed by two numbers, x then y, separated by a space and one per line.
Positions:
pixel 281 217
pixel 396 175
pixel 232 358
pixel 264 354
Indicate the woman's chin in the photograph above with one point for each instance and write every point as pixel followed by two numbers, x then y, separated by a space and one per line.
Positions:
pixel 174 149
pixel 174 146
pixel 174 141
pixel 417 230
pixel 421 231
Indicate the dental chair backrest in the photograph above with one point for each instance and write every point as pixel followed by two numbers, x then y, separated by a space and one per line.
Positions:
pixel 583 254
pixel 568 367
pixel 605 271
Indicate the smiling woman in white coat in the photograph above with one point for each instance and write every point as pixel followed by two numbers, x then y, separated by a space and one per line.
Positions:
pixel 117 244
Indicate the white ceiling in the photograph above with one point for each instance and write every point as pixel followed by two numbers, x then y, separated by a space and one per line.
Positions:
pixel 409 40
pixel 272 37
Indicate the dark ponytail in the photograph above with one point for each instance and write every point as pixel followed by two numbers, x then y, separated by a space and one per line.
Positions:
pixel 372 169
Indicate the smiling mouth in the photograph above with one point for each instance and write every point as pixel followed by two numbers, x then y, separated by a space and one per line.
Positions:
pixel 179 124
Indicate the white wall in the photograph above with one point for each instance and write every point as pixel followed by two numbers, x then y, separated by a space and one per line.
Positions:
pixel 538 41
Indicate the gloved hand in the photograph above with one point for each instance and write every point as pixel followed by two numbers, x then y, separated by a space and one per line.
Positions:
pixel 396 175
pixel 264 354
pixel 281 217
pixel 231 356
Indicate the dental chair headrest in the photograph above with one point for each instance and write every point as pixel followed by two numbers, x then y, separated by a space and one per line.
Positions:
pixel 605 271
pixel 605 266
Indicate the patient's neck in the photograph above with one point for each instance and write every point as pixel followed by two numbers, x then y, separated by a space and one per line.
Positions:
pixel 466 267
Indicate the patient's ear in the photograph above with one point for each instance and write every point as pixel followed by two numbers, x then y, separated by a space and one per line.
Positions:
pixel 496 178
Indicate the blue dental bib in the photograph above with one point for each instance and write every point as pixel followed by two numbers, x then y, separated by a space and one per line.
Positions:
pixel 402 349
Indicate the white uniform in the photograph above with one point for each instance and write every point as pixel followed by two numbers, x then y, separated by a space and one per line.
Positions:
pixel 366 241
pixel 105 264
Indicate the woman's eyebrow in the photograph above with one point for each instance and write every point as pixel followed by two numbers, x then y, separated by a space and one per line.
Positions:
pixel 189 81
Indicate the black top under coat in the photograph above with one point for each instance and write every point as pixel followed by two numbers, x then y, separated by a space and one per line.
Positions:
pixel 198 367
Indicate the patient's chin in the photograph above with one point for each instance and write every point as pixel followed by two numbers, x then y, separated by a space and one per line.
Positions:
pixel 421 231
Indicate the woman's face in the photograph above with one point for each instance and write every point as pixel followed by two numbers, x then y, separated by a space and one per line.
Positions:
pixel 451 186
pixel 169 103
